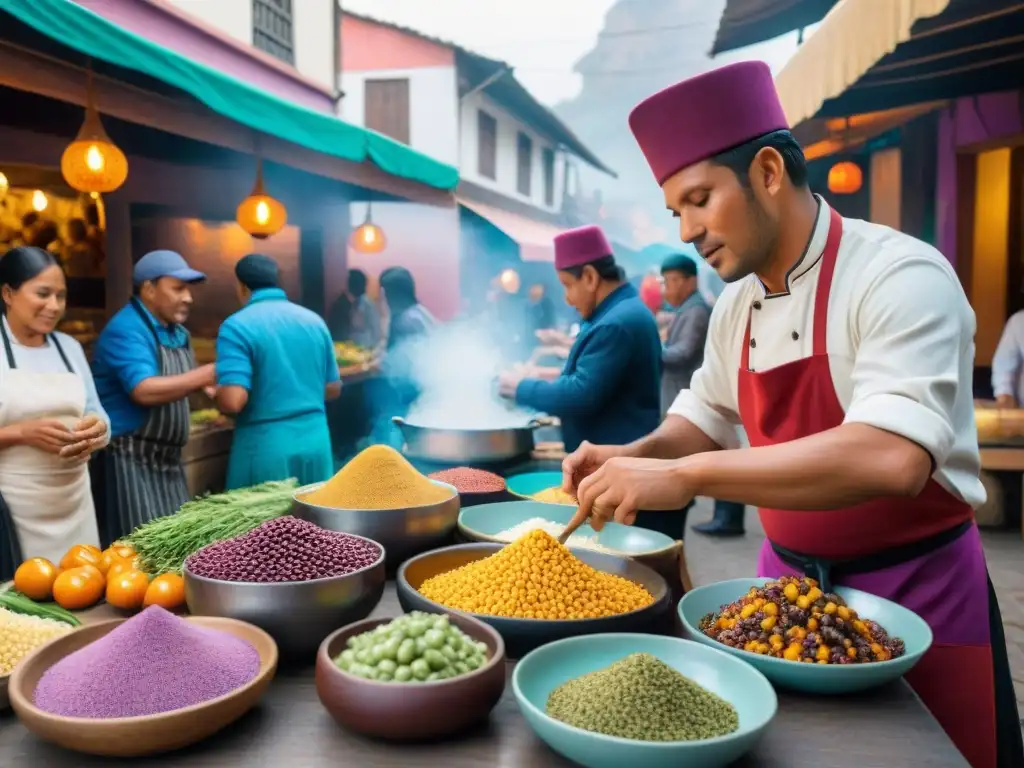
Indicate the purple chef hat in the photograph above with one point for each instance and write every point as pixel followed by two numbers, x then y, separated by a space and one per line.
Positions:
pixel 707 114
pixel 581 246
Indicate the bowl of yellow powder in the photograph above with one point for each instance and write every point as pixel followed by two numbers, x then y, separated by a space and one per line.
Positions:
pixel 535 591
pixel 381 496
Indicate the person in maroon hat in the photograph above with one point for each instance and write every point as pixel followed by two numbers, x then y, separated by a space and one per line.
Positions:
pixel 845 350
pixel 609 389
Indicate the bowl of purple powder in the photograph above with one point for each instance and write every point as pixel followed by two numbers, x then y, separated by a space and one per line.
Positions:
pixel 293 579
pixel 142 686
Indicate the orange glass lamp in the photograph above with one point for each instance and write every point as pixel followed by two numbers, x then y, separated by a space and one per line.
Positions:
pixel 368 237
pixel 509 280
pixel 261 215
pixel 845 178
pixel 92 162
pixel 4 185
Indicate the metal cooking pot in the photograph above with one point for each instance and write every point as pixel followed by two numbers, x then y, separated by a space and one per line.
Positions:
pixel 466 446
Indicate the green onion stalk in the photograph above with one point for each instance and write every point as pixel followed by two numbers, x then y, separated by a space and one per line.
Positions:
pixel 164 544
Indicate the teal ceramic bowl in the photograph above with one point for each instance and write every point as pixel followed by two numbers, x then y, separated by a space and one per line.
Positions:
pixel 816 678
pixel 546 668
pixel 525 485
pixel 485 522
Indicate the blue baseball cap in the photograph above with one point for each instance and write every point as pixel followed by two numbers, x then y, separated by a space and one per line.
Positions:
pixel 157 264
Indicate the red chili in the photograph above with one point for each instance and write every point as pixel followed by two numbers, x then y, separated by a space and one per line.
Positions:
pixel 469 480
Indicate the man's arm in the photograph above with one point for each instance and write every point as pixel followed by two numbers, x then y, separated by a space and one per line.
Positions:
pixel 1007 361
pixel 599 368
pixel 704 417
pixel 912 326
pixel 234 368
pixel 692 336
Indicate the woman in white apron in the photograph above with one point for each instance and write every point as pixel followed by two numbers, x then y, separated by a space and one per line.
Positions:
pixel 50 417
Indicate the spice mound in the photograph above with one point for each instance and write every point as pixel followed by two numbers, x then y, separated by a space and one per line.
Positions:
pixel 284 549
pixel 378 478
pixel 555 495
pixel 792 619
pixel 415 648
pixel 554 530
pixel 535 577
pixel 469 480
pixel 153 663
pixel 21 634
pixel 642 698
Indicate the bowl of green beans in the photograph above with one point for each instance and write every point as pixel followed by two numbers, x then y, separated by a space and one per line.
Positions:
pixel 416 677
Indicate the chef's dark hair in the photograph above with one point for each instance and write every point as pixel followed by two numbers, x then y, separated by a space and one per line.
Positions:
pixel 739 158
pixel 21 264
pixel 357 282
pixel 605 267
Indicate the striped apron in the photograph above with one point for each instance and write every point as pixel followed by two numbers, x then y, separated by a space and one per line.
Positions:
pixel 143 475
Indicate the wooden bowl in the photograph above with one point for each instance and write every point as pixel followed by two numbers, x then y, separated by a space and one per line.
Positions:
pixel 137 736
pixel 410 711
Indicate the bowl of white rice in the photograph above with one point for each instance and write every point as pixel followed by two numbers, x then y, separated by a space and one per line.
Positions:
pixel 506 521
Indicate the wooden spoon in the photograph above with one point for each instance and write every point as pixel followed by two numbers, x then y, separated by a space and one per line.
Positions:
pixel 570 529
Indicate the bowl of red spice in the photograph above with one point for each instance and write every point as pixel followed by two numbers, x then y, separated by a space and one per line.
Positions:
pixel 177 681
pixel 291 578
pixel 475 486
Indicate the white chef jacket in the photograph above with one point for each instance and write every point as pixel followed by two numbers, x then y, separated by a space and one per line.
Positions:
pixel 900 341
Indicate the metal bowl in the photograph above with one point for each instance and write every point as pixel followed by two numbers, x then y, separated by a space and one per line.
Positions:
pixel 297 614
pixel 523 635
pixel 402 532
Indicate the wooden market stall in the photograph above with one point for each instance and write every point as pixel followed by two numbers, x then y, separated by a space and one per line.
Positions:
pixel 195 141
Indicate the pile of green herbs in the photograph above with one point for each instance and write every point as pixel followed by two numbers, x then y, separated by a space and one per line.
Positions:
pixel 164 544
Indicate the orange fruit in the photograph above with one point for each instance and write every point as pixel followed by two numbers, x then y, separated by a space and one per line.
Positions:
pixel 94 549
pixel 167 591
pixel 107 559
pixel 78 556
pixel 77 589
pixel 95 574
pixel 118 567
pixel 127 551
pixel 34 579
pixel 127 590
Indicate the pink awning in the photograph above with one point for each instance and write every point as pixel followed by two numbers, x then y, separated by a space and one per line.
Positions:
pixel 535 238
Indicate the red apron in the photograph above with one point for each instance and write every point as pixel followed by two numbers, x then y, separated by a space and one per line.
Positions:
pixel 956 678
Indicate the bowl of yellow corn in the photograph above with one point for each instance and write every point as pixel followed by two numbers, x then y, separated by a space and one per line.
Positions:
pixel 20 634
pixel 545 487
pixel 534 590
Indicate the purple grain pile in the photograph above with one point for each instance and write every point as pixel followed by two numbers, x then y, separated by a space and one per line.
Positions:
pixel 285 549
pixel 153 663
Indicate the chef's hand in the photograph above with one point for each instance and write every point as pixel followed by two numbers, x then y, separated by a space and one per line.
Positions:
pixel 1006 401
pixel 89 435
pixel 207 375
pixel 50 435
pixel 584 461
pixel 508 382
pixel 623 486
pixel 210 392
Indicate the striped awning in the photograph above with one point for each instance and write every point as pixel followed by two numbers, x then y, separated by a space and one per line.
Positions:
pixel 853 38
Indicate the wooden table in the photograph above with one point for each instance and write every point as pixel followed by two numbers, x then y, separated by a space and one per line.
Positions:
pixel 888 728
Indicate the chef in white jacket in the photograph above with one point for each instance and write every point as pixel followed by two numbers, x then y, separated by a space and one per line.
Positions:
pixel 51 420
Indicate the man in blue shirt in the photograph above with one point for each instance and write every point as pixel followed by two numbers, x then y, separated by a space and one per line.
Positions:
pixel 609 390
pixel 145 370
pixel 276 368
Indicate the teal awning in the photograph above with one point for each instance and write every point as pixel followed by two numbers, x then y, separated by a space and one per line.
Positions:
pixel 79 28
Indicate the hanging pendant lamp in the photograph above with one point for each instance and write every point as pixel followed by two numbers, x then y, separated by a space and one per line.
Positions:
pixel 368 237
pixel 92 162
pixel 260 214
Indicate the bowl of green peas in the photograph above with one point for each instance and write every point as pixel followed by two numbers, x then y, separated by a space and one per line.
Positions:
pixel 416 677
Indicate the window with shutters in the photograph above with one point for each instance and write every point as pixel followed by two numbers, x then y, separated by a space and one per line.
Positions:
pixel 548 162
pixel 524 163
pixel 487 145
pixel 386 108
pixel 272 30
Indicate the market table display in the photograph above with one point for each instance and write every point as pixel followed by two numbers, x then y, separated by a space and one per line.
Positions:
pixel 248 536
pixel 887 727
